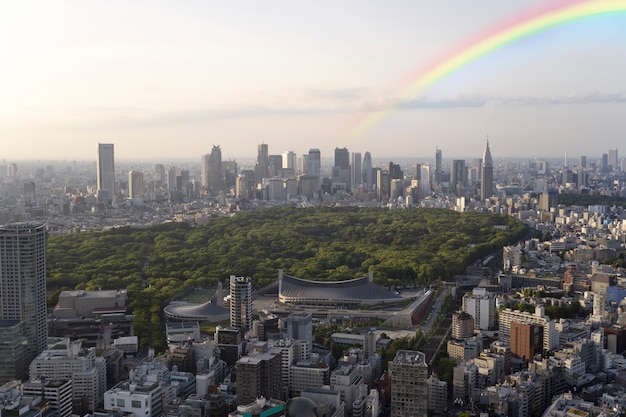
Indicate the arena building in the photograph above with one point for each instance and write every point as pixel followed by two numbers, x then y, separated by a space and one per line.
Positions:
pixel 354 293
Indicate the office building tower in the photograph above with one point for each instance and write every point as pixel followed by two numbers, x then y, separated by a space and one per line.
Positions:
pixel 367 179
pixel 171 179
pixel 23 281
pixel 314 162
pixel 457 175
pixel 11 170
pixel 341 169
pixel 356 171
pixel 383 184
pixel 289 160
pixel 276 164
pixel 240 302
pixel 395 173
pixel 438 166
pixel 342 158
pixel 486 183
pixel 135 184
pixel 229 169
pixel 605 162
pixel 582 162
pixel 212 171
pixel 159 174
pixel 409 384
pixel 262 167
pixel 106 169
pixel 613 163
pixel 424 181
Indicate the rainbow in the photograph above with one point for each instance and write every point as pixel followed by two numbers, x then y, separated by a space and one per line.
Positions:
pixel 506 33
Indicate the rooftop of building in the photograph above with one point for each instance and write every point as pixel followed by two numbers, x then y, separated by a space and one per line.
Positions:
pixel 409 357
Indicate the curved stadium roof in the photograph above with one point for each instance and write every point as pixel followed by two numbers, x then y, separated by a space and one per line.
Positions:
pixel 207 312
pixel 359 291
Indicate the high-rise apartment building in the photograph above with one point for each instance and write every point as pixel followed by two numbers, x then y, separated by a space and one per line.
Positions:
pixel 486 183
pixel 409 384
pixel 106 170
pixel 135 184
pixel 613 163
pixel 240 302
pixel 481 305
pixel 462 325
pixel 23 281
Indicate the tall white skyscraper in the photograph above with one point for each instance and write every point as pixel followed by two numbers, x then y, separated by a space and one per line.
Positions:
pixel 23 281
pixel 106 168
pixel 424 182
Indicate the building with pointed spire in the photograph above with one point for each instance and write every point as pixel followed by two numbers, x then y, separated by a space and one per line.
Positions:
pixel 486 184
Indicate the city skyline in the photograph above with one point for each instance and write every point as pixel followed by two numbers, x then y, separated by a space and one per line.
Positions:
pixel 162 79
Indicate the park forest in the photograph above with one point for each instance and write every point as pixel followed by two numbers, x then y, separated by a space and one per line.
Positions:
pixel 400 247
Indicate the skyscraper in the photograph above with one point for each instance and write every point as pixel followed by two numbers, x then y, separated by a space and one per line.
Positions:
pixel 438 165
pixel 457 176
pixel 212 171
pixel 23 281
pixel 486 184
pixel 135 184
pixel 240 302
pixel 289 160
pixel 341 169
pixel 368 181
pixel 613 164
pixel 356 171
pixel 424 181
pixel 262 167
pixel 106 169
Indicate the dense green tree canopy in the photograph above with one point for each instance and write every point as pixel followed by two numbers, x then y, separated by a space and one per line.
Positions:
pixel 408 246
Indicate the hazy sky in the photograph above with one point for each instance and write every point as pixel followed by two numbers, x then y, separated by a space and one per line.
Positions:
pixel 173 78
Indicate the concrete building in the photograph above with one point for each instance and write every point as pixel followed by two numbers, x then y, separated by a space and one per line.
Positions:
pixel 143 399
pixel 481 305
pixel 409 384
pixel 462 325
pixel 307 374
pixel 550 334
pixel 57 392
pixel 259 375
pixel 69 360
pixel 437 395
pixel 240 302
pixel 135 184
pixel 526 340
